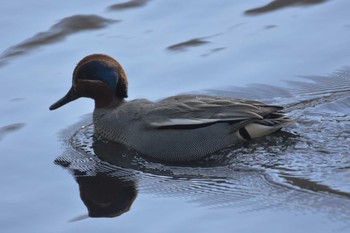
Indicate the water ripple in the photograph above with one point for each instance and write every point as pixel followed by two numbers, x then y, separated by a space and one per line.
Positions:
pixel 5 130
pixel 57 32
pixel 280 4
pixel 304 170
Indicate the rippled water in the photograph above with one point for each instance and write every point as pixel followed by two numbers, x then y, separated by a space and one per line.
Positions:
pixel 293 181
pixel 297 170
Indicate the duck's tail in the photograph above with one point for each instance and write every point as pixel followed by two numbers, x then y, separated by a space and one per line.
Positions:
pixel 272 123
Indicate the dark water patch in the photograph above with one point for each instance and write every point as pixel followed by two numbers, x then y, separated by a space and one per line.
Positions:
pixel 213 51
pixel 269 27
pixel 312 185
pixel 8 129
pixel 280 4
pixel 58 32
pixel 182 46
pixel 128 5
pixel 17 99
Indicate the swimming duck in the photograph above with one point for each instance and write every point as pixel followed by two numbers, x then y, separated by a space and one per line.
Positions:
pixel 176 129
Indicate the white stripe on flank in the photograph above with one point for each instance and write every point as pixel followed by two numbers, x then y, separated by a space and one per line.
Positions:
pixel 198 121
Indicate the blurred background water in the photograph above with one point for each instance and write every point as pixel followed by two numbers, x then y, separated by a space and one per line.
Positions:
pixel 297 181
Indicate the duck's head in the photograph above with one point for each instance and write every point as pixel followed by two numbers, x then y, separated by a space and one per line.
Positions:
pixel 99 77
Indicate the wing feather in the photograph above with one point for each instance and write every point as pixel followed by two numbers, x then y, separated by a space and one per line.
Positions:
pixel 194 111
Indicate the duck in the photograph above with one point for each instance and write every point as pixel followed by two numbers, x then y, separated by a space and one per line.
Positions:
pixel 179 128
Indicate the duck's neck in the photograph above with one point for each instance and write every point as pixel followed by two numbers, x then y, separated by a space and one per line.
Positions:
pixel 101 111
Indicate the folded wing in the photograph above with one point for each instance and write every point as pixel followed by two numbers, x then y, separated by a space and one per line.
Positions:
pixel 189 111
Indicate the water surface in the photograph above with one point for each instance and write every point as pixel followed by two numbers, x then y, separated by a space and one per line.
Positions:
pixel 293 53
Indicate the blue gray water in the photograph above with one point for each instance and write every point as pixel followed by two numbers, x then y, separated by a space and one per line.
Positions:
pixel 294 53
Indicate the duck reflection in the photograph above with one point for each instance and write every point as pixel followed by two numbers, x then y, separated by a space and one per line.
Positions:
pixel 105 192
pixel 110 176
pixel 106 196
